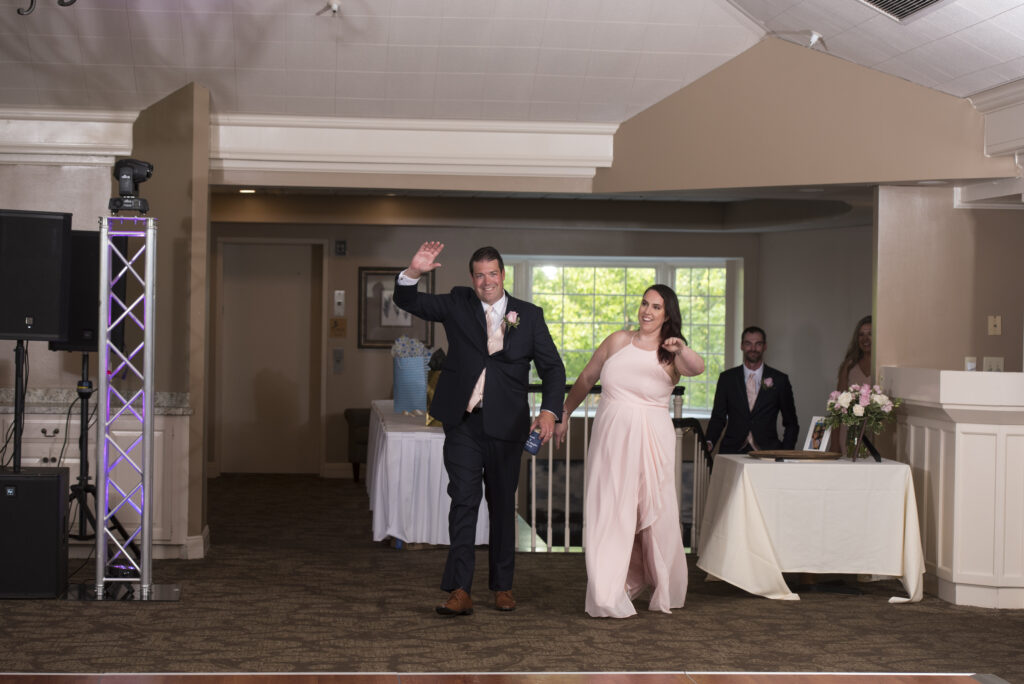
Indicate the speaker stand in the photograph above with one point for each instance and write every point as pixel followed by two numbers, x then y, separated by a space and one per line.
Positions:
pixel 19 403
pixel 80 492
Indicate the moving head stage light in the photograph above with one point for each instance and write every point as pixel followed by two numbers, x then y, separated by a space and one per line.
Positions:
pixel 129 173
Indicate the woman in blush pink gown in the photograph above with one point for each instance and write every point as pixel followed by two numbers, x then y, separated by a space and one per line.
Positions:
pixel 632 537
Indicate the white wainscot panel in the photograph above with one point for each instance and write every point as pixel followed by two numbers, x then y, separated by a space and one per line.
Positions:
pixel 976 505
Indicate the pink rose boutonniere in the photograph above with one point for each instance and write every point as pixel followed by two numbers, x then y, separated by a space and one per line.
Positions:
pixel 511 320
pixel 767 383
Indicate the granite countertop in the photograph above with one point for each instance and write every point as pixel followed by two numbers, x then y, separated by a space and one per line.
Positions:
pixel 58 400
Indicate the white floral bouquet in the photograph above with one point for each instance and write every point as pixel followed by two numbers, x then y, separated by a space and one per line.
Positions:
pixel 406 347
pixel 862 409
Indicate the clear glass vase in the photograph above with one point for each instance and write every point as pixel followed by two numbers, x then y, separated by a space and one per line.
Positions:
pixel 855 440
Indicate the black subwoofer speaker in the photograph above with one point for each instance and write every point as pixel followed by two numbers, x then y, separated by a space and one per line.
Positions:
pixel 34 533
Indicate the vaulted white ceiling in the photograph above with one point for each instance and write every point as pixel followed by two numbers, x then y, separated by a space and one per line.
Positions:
pixel 597 61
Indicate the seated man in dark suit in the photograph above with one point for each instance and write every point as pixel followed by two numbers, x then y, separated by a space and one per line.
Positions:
pixel 748 401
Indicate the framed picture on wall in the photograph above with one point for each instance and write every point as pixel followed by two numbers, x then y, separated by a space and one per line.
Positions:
pixel 380 321
pixel 817 435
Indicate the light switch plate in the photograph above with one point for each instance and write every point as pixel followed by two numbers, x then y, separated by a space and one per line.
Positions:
pixel 992 363
pixel 339 303
pixel 995 325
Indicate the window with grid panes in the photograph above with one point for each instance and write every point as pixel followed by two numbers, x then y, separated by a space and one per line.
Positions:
pixel 702 306
pixel 584 303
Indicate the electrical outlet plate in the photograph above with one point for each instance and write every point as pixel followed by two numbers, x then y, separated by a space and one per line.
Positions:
pixel 992 363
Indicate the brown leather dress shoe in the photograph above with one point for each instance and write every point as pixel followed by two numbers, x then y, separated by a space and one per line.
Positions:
pixel 503 600
pixel 458 603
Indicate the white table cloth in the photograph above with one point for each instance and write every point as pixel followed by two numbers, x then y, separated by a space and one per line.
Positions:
pixel 763 518
pixel 407 481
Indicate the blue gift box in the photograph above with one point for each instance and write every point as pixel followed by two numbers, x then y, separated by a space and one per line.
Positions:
pixel 410 383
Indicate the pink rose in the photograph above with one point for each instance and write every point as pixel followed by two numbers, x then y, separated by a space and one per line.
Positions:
pixel 512 319
pixel 768 382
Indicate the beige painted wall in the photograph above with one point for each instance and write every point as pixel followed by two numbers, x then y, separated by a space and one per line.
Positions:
pixel 780 114
pixel 815 285
pixel 174 135
pixel 941 272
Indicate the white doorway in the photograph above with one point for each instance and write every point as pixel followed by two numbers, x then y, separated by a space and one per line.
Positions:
pixel 268 368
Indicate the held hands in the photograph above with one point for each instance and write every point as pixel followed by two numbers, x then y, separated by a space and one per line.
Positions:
pixel 545 422
pixel 425 259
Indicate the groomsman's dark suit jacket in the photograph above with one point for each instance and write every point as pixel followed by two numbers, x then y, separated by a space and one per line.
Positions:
pixel 732 412
pixel 505 420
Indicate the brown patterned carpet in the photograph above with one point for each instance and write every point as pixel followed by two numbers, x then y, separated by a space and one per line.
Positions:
pixel 294 583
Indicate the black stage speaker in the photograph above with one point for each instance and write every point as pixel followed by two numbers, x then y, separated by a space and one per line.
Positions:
pixel 83 333
pixel 35 265
pixel 34 533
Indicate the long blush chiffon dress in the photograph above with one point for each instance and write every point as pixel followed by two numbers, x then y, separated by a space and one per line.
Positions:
pixel 632 539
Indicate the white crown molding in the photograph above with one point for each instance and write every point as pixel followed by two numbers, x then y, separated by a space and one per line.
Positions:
pixel 1003 109
pixel 326 146
pixel 1004 131
pixel 276 166
pixel 1002 193
pixel 64 137
pixel 87 115
pixel 999 97
pixel 331 122
pixel 406 146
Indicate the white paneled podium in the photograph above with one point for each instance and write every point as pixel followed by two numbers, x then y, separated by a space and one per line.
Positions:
pixel 962 433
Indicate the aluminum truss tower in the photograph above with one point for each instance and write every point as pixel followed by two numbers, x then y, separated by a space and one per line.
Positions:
pixel 124 470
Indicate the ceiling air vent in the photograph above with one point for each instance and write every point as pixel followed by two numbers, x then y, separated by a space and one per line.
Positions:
pixel 903 10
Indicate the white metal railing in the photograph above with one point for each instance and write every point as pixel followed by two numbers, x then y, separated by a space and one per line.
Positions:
pixel 564 469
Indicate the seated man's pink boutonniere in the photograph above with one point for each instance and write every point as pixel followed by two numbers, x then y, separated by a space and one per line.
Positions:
pixel 767 383
pixel 511 320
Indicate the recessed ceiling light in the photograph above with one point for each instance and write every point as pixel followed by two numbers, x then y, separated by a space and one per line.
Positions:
pixel 247 191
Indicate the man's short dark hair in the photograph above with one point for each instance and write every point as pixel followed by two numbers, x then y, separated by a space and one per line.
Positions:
pixel 754 329
pixel 486 254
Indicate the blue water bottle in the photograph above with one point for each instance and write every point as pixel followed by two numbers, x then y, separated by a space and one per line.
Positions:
pixel 533 442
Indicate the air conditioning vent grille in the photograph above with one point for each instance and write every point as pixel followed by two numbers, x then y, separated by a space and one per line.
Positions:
pixel 900 9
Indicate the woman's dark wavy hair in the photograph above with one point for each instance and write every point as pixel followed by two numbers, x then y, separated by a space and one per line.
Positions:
pixel 673 325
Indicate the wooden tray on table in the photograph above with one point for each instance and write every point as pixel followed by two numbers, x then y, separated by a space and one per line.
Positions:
pixel 795 455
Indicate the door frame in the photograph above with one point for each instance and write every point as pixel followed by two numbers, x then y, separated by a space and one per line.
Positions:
pixel 319 381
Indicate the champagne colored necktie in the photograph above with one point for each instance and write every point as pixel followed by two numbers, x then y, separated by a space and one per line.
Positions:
pixel 495 340
pixel 751 400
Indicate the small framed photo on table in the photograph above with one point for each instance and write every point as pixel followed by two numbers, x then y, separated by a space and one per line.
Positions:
pixel 380 321
pixel 817 435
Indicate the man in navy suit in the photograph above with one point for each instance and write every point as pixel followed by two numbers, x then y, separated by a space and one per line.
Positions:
pixel 481 398
pixel 748 401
